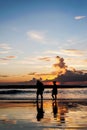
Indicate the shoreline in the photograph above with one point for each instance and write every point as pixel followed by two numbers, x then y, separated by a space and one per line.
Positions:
pixel 34 100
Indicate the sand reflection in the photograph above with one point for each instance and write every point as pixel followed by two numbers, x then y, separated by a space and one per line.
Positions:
pixel 59 111
pixel 44 114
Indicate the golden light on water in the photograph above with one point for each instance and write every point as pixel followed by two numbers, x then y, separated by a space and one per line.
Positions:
pixel 56 113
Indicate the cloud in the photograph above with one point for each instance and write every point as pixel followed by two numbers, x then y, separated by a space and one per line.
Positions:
pixel 79 17
pixel 70 41
pixel 11 57
pixel 77 61
pixel 72 76
pixel 4 52
pixel 68 52
pixel 36 61
pixel 73 52
pixel 85 60
pixel 35 35
pixel 4 76
pixel 44 58
pixel 28 60
pixel 68 74
pixel 51 52
pixel 3 59
pixel 7 58
pixel 32 73
pixel 42 37
pixel 63 73
pixel 44 76
pixel 60 65
pixel 25 62
pixel 5 46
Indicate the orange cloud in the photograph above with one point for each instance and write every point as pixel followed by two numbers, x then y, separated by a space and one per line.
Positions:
pixel 4 76
pixel 45 58
pixel 7 58
pixel 60 65
pixel 44 76
pixel 11 57
pixel 73 52
pixel 85 60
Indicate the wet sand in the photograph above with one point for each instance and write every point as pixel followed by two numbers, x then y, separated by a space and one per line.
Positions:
pixel 43 115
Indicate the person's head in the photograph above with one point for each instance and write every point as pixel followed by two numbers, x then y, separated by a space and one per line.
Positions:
pixel 38 81
pixel 54 82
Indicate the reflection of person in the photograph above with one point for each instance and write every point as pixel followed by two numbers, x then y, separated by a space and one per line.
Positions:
pixel 55 108
pixel 54 91
pixel 59 110
pixel 62 110
pixel 40 111
pixel 62 117
pixel 40 89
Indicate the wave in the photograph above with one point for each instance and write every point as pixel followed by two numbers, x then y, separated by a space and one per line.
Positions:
pixel 16 91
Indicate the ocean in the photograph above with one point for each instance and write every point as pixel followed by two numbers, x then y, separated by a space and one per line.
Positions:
pixel 20 111
pixel 25 94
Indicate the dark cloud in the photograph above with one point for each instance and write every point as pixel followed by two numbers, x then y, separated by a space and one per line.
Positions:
pixel 4 76
pixel 72 76
pixel 42 74
pixel 68 75
pixel 32 73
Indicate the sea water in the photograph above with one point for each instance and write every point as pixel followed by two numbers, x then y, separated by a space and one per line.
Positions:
pixel 25 94
pixel 58 115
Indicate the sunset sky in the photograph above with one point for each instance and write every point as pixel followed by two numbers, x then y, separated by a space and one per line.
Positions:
pixel 34 32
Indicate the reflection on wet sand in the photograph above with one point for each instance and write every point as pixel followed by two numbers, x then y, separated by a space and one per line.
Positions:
pixel 44 115
pixel 40 111
pixel 64 114
pixel 59 111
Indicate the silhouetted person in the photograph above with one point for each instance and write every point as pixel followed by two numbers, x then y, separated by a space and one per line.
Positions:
pixel 40 111
pixel 40 89
pixel 54 91
pixel 55 109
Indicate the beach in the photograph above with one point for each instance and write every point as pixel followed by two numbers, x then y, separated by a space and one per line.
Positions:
pixel 43 115
pixel 43 64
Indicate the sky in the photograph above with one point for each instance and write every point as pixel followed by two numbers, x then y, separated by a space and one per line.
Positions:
pixel 37 34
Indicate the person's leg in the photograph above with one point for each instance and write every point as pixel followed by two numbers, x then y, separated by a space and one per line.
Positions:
pixel 52 94
pixel 37 96
pixel 41 96
pixel 55 96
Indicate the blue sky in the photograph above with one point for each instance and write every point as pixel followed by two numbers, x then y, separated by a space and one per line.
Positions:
pixel 34 32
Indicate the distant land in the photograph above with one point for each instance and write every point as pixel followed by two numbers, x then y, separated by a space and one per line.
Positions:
pixel 70 78
pixel 34 86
